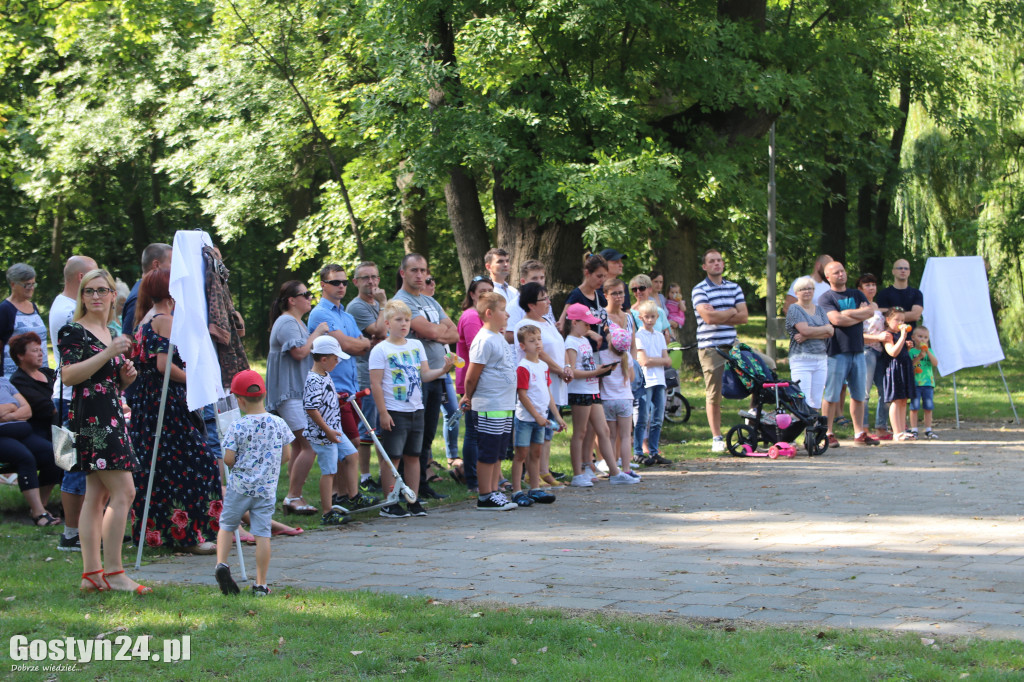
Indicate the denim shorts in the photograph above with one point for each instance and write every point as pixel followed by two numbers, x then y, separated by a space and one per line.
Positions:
pixel 261 511
pixel 925 399
pixel 613 409
pixel 73 483
pixel 327 457
pixel 405 436
pixel 528 433
pixel 846 368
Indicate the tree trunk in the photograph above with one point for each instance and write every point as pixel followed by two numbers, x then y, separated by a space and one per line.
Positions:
pixel 834 209
pixel 467 221
pixel 875 254
pixel 679 261
pixel 57 236
pixel 415 230
pixel 556 244
pixel 131 192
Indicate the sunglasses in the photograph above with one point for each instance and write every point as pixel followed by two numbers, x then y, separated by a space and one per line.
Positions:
pixel 428 281
pixel 306 295
pixel 636 289
pixel 481 278
pixel 896 309
pixel 335 282
pixel 100 292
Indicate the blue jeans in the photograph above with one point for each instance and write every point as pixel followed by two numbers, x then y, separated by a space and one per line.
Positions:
pixel 650 415
pixel 451 406
pixel 469 449
pixel 433 396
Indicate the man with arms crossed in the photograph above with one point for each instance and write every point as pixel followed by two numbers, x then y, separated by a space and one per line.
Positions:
pixel 846 309
pixel 434 329
pixel 365 308
pixel 720 306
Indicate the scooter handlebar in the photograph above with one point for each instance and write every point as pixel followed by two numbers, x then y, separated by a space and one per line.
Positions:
pixel 349 397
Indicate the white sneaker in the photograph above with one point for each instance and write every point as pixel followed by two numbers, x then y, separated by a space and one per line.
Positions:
pixel 582 481
pixel 622 478
pixel 591 474
pixel 601 466
pixel 718 445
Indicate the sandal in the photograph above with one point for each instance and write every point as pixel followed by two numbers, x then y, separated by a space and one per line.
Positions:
pixel 289 532
pixel 246 537
pixel 505 484
pixel 50 520
pixel 94 586
pixel 301 509
pixel 139 589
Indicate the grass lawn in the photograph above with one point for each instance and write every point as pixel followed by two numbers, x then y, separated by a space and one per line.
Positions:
pixel 309 634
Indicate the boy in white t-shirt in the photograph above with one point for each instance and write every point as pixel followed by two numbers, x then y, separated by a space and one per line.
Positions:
pixel 535 403
pixel 253 447
pixel 398 370
pixel 652 355
pixel 491 396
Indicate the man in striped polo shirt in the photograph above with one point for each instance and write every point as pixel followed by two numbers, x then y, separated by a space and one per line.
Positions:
pixel 720 306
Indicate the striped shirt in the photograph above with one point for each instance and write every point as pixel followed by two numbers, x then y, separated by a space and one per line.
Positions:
pixel 720 296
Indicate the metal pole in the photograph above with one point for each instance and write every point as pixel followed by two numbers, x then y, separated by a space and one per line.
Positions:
pixel 770 309
pixel 1016 420
pixel 156 448
pixel 956 404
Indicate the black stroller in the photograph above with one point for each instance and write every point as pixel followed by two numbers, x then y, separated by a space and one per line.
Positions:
pixel 778 412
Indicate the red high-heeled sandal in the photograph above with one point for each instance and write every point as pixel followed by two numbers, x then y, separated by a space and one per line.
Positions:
pixel 95 586
pixel 140 590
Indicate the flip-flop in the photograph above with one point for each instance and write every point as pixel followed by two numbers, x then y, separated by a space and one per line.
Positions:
pixel 247 537
pixel 290 532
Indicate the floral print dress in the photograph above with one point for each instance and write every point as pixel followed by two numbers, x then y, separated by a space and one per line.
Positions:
pixel 186 501
pixel 95 410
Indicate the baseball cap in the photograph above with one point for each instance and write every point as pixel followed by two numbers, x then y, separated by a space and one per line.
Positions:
pixel 328 345
pixel 578 311
pixel 248 383
pixel 620 339
pixel 612 254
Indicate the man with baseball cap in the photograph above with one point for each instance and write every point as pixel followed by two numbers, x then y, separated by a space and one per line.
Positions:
pixel 615 268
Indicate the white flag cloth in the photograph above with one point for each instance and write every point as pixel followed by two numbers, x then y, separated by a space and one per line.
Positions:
pixel 190 332
pixel 958 313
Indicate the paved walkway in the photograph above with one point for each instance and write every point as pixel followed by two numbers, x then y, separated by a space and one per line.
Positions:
pixel 923 537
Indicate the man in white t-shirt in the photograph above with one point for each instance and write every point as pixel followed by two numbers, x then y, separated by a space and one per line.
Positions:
pixel 72 487
pixel 821 285
pixel 498 265
pixel 530 271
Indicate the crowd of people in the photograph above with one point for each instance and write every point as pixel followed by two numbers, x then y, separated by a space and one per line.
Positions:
pixel 517 366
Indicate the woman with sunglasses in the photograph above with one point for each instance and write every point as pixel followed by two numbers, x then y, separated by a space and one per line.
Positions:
pixel 185 504
pixel 93 363
pixel 643 290
pixel 288 363
pixel 18 314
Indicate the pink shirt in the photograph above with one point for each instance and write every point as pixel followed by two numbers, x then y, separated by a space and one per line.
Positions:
pixel 469 325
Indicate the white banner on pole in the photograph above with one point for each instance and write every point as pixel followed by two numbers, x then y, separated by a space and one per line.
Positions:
pixel 958 313
pixel 190 331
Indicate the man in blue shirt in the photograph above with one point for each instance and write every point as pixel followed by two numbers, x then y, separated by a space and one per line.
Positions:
pixel 343 327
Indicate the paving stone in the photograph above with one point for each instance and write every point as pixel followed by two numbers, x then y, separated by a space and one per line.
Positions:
pixel 921 543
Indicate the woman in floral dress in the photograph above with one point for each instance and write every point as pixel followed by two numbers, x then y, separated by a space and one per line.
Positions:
pixel 186 501
pixel 94 364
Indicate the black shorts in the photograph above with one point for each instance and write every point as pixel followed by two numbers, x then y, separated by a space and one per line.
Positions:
pixel 584 399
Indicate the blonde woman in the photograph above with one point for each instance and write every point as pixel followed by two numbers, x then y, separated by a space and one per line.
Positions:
pixel 94 364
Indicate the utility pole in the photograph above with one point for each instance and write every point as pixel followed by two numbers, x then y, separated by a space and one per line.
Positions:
pixel 770 310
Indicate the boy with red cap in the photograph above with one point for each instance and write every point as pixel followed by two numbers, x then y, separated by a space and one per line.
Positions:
pixel 253 447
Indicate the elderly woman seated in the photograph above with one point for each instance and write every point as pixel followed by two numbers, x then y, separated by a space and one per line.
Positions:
pixel 34 381
pixel 27 453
